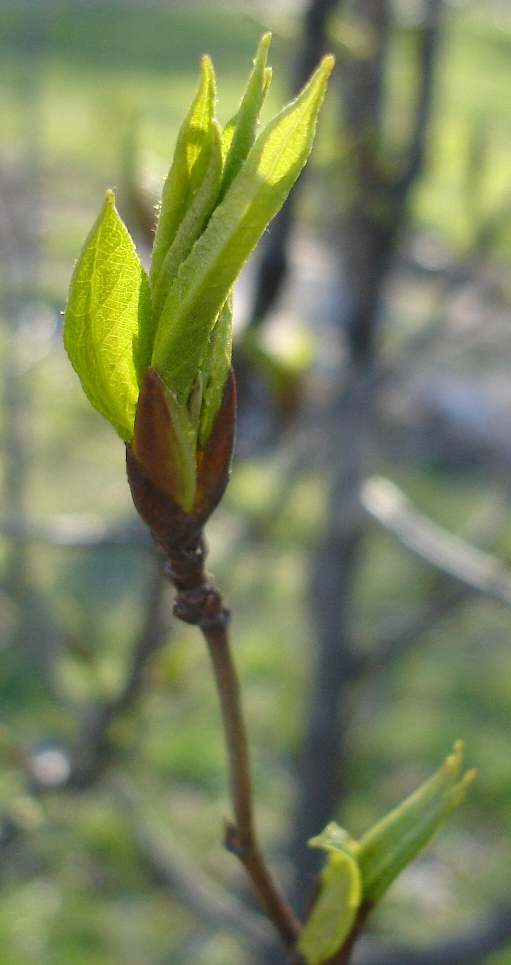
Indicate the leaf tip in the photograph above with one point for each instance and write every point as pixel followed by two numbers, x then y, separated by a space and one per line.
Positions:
pixel 452 765
pixel 207 70
pixel 327 64
pixel 110 197
pixel 469 777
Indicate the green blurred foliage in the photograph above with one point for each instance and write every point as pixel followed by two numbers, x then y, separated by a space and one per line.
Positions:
pixel 73 888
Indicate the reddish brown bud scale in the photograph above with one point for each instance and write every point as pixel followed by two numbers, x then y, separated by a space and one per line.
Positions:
pixel 154 438
pixel 150 473
pixel 214 462
pixel 169 524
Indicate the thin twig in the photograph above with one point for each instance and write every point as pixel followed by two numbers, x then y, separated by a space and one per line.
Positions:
pixel 199 602
pixel 240 837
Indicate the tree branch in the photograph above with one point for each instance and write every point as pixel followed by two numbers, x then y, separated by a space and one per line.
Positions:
pixel 429 41
pixel 240 837
pixel 434 545
pixel 199 602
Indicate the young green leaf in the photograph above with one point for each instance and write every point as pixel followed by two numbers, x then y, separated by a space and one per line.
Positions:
pixel 186 438
pixel 335 908
pixel 108 324
pixel 392 843
pixel 205 278
pixel 227 136
pixel 247 118
pixel 189 166
pixel 193 223
pixel 215 369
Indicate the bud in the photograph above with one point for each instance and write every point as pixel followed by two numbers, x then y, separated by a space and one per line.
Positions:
pixel 151 465
pixel 153 352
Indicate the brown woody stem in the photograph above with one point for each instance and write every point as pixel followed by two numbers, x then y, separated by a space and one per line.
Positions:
pixel 199 602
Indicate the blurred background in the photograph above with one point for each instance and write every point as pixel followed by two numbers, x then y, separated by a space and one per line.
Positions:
pixel 364 542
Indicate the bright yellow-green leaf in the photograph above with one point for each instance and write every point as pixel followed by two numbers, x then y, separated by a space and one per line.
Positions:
pixel 335 908
pixel 247 118
pixel 108 327
pixel 221 192
pixel 186 440
pixel 206 277
pixel 193 223
pixel 227 136
pixel 215 369
pixel 392 843
pixel 191 161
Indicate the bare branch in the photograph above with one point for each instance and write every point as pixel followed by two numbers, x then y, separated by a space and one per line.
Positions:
pixel 429 40
pixel 433 544
pixel 199 603
pixel 240 837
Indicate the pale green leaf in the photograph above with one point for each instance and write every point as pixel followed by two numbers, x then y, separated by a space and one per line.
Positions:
pixel 247 117
pixel 107 326
pixel 266 83
pixel 189 165
pixel 186 440
pixel 392 843
pixel 194 407
pixel 255 196
pixel 335 909
pixel 227 136
pixel 334 839
pixel 193 223
pixel 216 369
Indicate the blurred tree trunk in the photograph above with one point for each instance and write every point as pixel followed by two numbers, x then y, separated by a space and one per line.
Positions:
pixel 367 239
